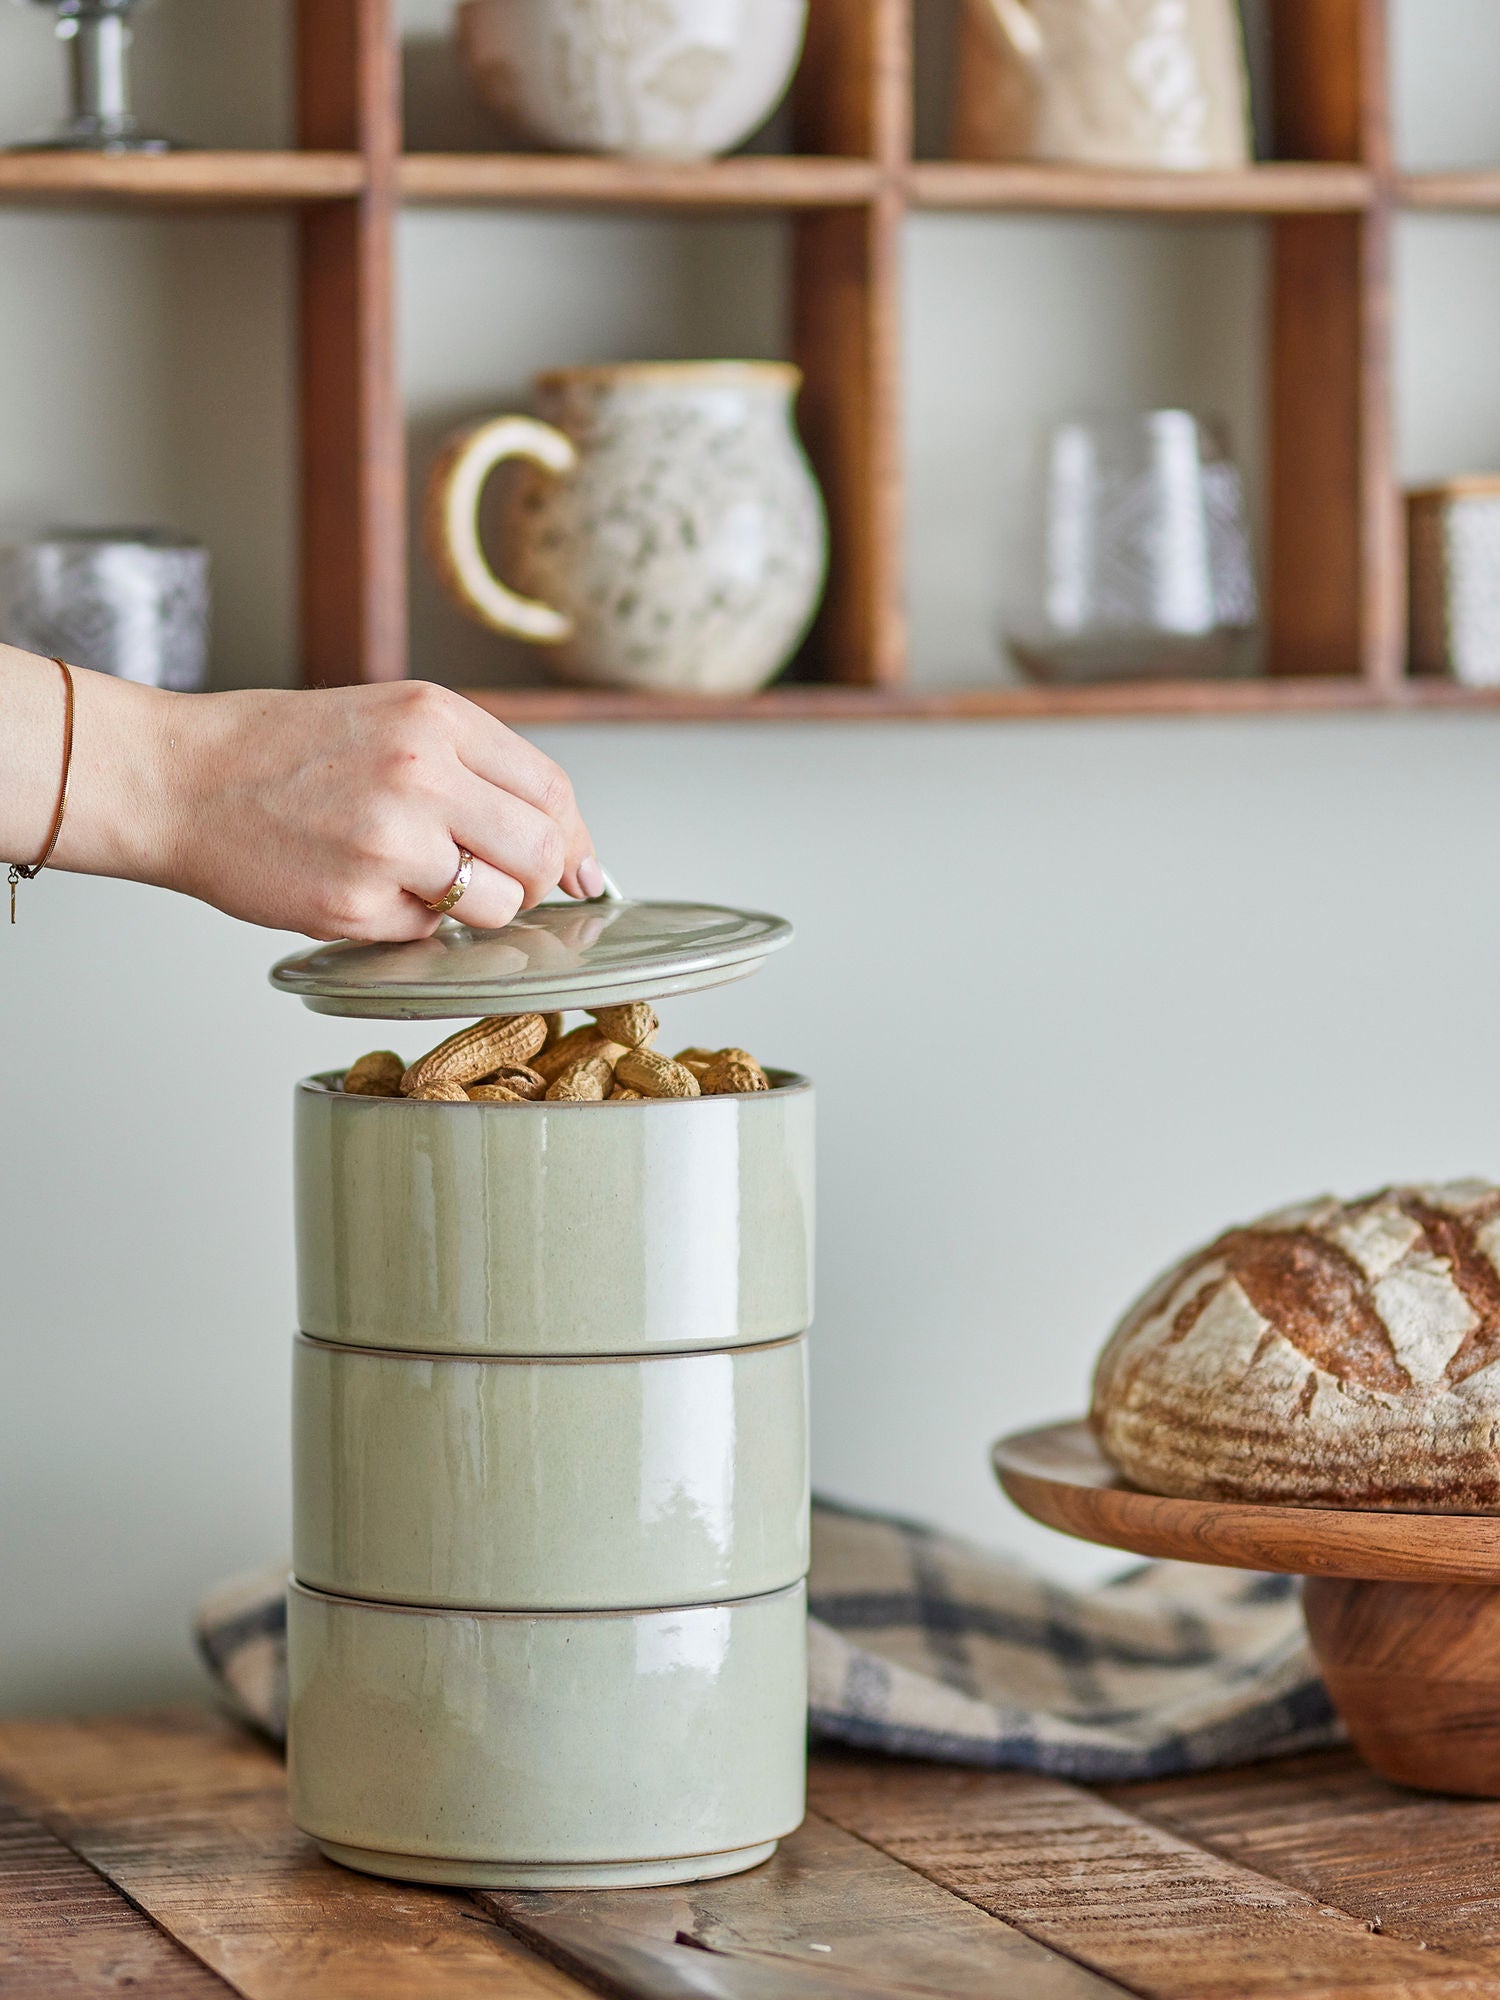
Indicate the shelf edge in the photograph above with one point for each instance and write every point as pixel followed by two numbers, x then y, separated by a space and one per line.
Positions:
pixel 1290 696
pixel 1275 188
pixel 755 181
pixel 185 179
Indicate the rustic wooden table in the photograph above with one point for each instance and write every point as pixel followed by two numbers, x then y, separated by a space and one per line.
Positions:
pixel 152 1854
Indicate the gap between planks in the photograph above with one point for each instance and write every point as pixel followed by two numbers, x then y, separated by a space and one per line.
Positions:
pixel 830 1917
pixel 65 1930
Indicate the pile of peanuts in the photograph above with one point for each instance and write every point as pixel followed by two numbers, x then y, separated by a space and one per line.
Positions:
pixel 521 1058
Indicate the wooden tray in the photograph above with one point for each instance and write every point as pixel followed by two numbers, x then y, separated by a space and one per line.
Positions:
pixel 1403 1609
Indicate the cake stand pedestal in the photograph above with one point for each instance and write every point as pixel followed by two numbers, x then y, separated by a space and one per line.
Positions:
pixel 1403 1610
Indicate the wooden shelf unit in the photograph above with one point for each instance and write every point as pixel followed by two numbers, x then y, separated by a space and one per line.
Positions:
pixel 1334 583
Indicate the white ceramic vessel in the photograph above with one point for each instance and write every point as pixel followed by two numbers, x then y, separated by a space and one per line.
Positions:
pixel 675 79
pixel 665 530
pixel 547 1750
pixel 554 1228
pixel 495 1484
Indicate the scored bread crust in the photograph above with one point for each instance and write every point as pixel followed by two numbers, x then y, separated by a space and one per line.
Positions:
pixel 1335 1354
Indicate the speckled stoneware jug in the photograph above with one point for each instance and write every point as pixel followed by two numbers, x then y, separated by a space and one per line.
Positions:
pixel 665 530
pixel 663 79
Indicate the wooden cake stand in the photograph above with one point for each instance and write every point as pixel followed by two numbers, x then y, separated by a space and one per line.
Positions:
pixel 1403 1610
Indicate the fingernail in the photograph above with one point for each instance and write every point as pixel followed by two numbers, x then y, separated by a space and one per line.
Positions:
pixel 590 876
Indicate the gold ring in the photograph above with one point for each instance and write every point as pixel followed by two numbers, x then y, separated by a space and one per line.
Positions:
pixel 456 887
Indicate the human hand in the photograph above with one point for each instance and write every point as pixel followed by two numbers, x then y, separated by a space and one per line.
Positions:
pixel 338 812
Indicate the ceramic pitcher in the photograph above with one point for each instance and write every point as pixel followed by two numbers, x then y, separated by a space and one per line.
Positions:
pixel 664 530
pixel 1119 83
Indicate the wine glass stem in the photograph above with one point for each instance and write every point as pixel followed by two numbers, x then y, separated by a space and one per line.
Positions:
pixel 97 61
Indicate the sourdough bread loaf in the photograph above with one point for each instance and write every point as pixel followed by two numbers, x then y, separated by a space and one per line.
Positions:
pixel 1334 1354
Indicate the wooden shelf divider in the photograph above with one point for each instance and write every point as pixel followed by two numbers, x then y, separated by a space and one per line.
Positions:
pixel 353 538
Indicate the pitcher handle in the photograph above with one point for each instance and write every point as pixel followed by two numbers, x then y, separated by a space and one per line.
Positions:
pixel 1018 25
pixel 453 491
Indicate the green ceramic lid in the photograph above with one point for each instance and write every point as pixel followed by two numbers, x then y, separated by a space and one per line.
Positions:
pixel 558 956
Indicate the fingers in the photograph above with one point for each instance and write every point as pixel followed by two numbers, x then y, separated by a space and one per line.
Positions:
pixel 508 763
pixel 492 898
pixel 517 838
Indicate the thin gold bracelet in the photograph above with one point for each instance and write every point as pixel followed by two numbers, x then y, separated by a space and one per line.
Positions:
pixel 21 871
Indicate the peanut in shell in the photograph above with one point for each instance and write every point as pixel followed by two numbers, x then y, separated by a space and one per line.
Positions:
pixel 633 1024
pixel 378 1074
pixel 733 1075
pixel 551 1063
pixel 478 1051
pixel 655 1075
pixel 588 1081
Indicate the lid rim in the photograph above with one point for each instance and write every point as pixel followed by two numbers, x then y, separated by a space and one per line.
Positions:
pixel 670 949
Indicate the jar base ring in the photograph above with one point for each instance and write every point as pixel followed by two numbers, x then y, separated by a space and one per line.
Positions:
pixel 547 1874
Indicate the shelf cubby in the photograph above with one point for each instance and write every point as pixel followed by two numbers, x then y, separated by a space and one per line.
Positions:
pixel 1328 200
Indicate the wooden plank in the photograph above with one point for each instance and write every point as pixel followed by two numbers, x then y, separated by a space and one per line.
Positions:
pixel 1273 189
pixel 1477 190
pixel 66 1934
pixel 853 96
pixel 829 1918
pixel 853 91
pixel 353 537
pixel 180 180
pixel 846 340
pixel 803 702
pixel 1316 545
pixel 555 180
pixel 187 1815
pixel 1418 1867
pixel 1125 1897
pixel 1336 570
pixel 1322 91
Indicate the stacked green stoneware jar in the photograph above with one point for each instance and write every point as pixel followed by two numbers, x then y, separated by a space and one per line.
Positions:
pixel 547 1623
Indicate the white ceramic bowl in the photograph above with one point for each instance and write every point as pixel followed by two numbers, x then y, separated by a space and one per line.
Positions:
pixel 683 79
pixel 679 1224
pixel 534 1751
pixel 492 1484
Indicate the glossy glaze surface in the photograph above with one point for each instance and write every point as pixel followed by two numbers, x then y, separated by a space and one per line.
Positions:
pixel 555 957
pixel 577 1740
pixel 548 1485
pixel 554 1228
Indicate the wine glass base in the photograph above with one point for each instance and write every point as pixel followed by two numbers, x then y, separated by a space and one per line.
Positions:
pixel 136 142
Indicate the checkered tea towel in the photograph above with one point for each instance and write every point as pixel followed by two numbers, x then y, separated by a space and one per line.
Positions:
pixel 926 1646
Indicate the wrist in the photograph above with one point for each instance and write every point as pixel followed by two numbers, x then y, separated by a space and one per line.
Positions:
pixel 121 798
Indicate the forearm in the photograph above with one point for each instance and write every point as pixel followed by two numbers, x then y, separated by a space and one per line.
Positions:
pixel 115 822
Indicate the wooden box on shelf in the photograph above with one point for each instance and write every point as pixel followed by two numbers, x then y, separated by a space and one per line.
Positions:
pixel 1335 567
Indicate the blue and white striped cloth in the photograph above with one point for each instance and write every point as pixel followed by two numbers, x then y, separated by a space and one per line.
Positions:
pixel 923 1645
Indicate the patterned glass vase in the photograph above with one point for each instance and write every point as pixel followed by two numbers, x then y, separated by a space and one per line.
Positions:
pixel 1145 566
